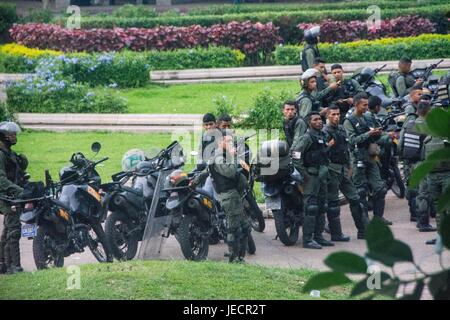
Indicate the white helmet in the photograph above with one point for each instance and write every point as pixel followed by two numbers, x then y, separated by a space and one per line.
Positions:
pixel 132 158
pixel 309 74
pixel 7 127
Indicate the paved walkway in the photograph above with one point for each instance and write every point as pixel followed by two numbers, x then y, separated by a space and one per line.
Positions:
pixel 271 252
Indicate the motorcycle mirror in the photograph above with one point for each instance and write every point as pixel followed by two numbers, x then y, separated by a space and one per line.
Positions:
pixel 96 146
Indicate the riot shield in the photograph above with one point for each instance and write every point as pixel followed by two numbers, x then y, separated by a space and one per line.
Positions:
pixel 158 222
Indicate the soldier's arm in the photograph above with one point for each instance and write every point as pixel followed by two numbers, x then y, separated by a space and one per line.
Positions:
pixel 5 184
pixel 226 168
pixel 352 135
pixel 299 131
pixel 357 86
pixel 309 53
pixel 304 108
pixel 324 93
pixel 299 152
pixel 400 84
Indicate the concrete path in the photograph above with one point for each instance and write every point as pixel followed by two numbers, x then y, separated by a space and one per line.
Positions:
pixel 271 252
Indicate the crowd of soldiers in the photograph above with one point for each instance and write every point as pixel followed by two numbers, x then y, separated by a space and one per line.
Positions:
pixel 340 156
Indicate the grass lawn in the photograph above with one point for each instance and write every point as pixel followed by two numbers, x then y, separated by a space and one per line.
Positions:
pixel 165 280
pixel 198 98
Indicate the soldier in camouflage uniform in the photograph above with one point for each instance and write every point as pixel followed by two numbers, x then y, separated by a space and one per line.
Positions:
pixel 411 115
pixel 402 80
pixel 12 179
pixel 310 99
pixel 228 184
pixel 311 159
pixel 412 148
pixel 340 173
pixel 310 50
pixel 293 125
pixel 365 151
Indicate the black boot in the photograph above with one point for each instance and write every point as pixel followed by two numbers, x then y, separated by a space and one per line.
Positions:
pixel 360 217
pixel 336 231
pixel 412 206
pixel 308 233
pixel 318 231
pixel 333 214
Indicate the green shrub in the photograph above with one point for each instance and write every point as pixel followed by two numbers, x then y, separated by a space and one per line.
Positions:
pixel 212 57
pixel 15 64
pixel 37 16
pixel 297 16
pixel 276 7
pixel 266 110
pixel 420 47
pixel 45 93
pixel 6 114
pixel 224 105
pixel 8 16
pixel 132 11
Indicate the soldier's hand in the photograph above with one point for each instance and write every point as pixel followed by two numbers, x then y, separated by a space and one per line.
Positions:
pixel 374 132
pixel 334 85
pixel 349 100
pixel 420 80
pixel 331 143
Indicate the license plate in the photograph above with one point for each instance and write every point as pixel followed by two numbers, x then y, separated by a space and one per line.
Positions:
pixel 273 203
pixel 29 230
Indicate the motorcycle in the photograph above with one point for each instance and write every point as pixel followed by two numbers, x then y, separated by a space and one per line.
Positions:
pixel 282 190
pixel 63 218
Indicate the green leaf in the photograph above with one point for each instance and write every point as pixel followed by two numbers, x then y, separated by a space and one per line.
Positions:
pixel 439 285
pixel 394 251
pixel 390 289
pixel 325 280
pixel 346 262
pixel 437 121
pixel 419 173
pixel 359 288
pixel 444 200
pixel 378 235
pixel 417 293
pixel 445 230
pixel 440 154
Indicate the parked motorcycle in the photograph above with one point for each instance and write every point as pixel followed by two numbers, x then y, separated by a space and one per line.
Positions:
pixel 64 218
pixel 282 189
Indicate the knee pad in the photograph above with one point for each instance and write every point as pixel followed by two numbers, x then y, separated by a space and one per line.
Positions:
pixel 334 212
pixel 312 210
pixel 380 193
pixel 14 235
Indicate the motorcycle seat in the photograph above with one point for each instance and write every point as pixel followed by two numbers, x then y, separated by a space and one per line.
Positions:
pixel 204 192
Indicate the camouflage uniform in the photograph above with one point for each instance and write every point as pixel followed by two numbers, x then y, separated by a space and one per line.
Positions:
pixel 228 183
pixel 12 167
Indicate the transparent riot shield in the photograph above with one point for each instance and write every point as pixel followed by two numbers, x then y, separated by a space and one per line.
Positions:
pixel 158 222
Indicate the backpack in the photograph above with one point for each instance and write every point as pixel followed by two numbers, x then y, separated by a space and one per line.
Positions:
pixel 392 80
pixel 412 143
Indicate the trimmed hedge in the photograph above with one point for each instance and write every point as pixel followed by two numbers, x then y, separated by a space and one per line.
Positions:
pixel 8 16
pixel 276 7
pixel 420 47
pixel 433 12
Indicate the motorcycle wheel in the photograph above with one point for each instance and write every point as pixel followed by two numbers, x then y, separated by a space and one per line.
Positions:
pixel 117 228
pixel 251 246
pixel 398 186
pixel 194 246
pixel 44 256
pixel 287 231
pixel 98 244
pixel 256 215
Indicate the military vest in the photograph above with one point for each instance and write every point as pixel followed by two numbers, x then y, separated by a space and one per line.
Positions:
pixel 315 105
pixel 360 127
pixel 339 153
pixel 412 143
pixel 392 80
pixel 13 169
pixel 316 155
pixel 303 56
pixel 289 130
pixel 221 183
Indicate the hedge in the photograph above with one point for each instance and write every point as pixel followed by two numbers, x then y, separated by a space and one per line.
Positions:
pixel 7 17
pixel 276 7
pixel 420 47
pixel 433 12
